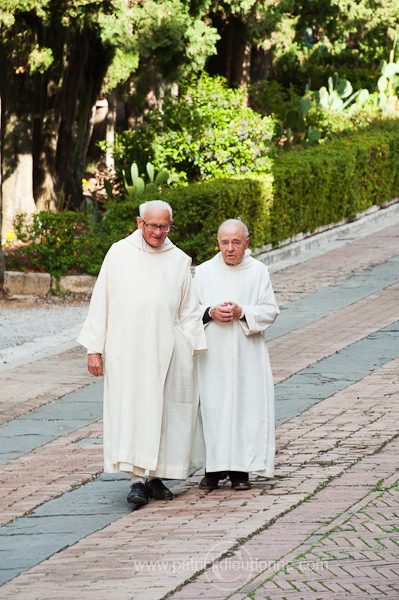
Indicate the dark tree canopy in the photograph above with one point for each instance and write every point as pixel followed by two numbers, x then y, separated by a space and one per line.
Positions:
pixel 57 57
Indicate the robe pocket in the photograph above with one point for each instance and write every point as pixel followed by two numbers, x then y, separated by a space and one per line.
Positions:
pixel 181 369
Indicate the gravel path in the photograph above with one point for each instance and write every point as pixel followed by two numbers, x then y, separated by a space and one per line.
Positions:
pixel 35 328
pixel 21 322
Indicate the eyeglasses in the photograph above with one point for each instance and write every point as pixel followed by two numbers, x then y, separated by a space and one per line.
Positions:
pixel 153 226
pixel 235 243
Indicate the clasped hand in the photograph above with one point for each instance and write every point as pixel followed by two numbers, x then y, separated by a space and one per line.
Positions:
pixel 226 312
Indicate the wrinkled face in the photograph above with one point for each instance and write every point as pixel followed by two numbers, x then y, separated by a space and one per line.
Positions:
pixel 155 225
pixel 232 243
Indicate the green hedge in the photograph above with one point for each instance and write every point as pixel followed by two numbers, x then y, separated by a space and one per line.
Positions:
pixel 199 209
pixel 307 189
pixel 326 184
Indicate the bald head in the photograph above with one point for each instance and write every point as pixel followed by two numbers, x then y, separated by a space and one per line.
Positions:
pixel 234 223
pixel 233 241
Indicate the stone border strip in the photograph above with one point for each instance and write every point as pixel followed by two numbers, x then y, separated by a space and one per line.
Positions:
pixel 336 372
pixel 324 302
pixel 49 471
pixel 39 284
pixel 336 235
pixel 301 348
pixel 315 274
pixel 49 379
pixel 70 413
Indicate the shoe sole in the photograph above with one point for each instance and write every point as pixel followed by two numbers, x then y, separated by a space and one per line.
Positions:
pixel 169 498
pixel 137 501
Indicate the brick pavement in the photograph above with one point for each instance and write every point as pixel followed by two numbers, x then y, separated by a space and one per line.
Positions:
pixel 180 537
pixel 290 352
pixel 327 518
pixel 48 471
pixel 353 552
pixel 49 378
pixel 303 347
pixel 320 542
pixel 336 265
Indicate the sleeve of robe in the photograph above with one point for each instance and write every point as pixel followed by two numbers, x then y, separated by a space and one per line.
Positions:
pixel 94 329
pixel 190 315
pixel 260 316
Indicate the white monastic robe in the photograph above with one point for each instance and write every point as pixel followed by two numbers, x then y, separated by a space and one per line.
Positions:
pixel 145 319
pixel 235 377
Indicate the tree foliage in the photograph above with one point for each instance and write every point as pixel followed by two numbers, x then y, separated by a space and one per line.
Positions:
pixel 289 39
pixel 58 56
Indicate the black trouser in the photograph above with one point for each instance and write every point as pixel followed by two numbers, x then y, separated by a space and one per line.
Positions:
pixel 233 475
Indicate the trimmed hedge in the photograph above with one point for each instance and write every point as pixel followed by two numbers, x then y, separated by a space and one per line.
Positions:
pixel 326 184
pixel 199 209
pixel 309 188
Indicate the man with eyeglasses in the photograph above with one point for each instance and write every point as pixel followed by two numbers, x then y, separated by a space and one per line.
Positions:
pixel 144 318
pixel 235 377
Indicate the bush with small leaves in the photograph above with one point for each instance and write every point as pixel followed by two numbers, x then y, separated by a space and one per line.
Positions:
pixel 203 133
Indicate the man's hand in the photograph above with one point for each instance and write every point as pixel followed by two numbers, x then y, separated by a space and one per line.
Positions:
pixel 226 312
pixel 95 364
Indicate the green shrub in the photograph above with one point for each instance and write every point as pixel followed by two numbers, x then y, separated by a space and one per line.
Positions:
pixel 271 98
pixel 309 188
pixel 202 134
pixel 359 77
pixel 68 241
pixel 51 241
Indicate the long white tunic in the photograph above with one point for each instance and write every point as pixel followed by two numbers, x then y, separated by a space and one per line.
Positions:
pixel 145 319
pixel 235 377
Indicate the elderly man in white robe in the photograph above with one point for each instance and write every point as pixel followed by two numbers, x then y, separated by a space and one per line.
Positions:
pixel 235 377
pixel 144 318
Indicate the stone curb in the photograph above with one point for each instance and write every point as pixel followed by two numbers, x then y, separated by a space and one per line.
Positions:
pixel 39 284
pixel 375 217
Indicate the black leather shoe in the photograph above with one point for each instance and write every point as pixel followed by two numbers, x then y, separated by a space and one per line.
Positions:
pixel 138 494
pixel 240 485
pixel 211 480
pixel 157 490
pixel 239 480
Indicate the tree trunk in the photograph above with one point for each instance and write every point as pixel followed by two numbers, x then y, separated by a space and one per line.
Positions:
pixel 233 58
pixel 47 118
pixel 2 266
pixel 245 78
pixel 65 160
pixel 86 67
pixel 45 138
pixel 17 161
pixel 110 124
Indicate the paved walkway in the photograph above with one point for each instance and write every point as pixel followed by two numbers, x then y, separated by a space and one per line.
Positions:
pixel 325 527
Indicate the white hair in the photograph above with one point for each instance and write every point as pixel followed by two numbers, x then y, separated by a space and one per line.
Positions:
pixel 234 222
pixel 154 204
